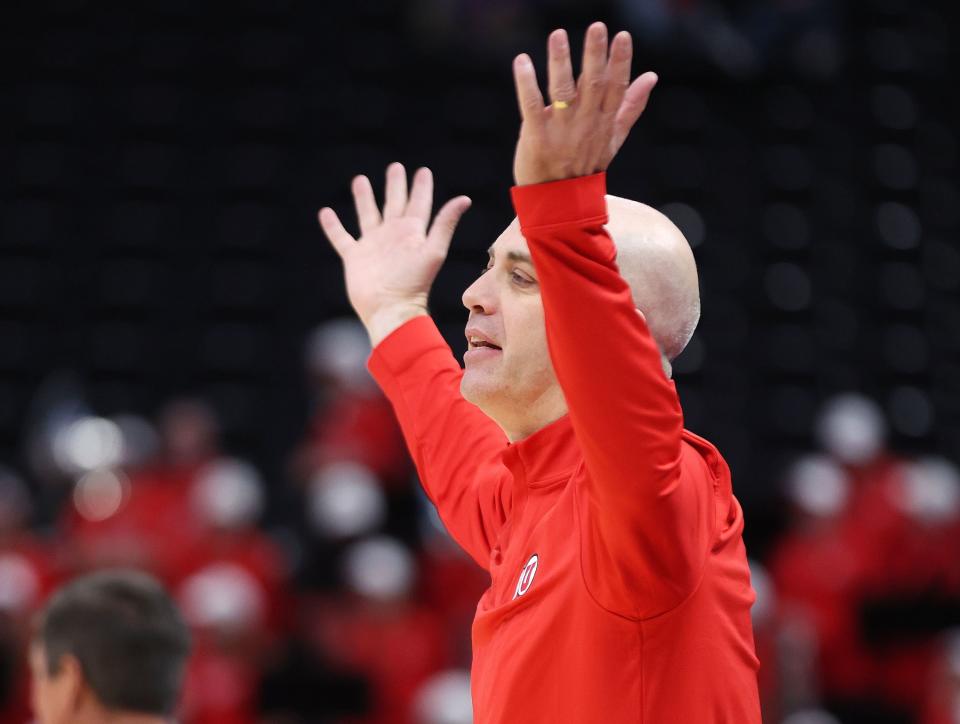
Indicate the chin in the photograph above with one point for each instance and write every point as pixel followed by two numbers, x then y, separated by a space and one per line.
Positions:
pixel 479 389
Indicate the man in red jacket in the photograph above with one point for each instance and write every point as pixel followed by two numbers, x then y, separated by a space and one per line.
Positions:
pixel 619 583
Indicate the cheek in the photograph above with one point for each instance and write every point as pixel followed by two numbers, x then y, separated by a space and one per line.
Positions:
pixel 528 354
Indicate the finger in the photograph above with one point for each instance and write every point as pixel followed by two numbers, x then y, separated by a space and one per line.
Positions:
pixel 528 91
pixel 441 232
pixel 593 75
pixel 395 197
pixel 559 70
pixel 421 196
pixel 618 71
pixel 368 215
pixel 339 239
pixel 634 102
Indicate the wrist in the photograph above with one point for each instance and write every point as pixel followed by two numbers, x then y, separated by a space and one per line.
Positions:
pixel 383 322
pixel 567 201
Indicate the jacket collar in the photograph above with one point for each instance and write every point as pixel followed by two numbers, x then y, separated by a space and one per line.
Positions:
pixel 549 454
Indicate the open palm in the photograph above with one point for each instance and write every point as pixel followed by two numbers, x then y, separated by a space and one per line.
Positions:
pixel 588 120
pixel 389 270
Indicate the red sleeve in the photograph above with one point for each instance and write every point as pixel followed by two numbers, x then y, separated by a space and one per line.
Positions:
pixel 647 510
pixel 457 449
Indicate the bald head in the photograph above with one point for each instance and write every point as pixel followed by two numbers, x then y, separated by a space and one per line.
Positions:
pixel 656 261
pixel 516 384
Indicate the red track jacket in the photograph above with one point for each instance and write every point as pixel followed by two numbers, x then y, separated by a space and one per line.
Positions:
pixel 619 583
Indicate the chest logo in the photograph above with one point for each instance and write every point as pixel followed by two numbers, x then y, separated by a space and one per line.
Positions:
pixel 526 576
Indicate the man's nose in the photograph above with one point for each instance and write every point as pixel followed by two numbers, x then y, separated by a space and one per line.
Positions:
pixel 479 296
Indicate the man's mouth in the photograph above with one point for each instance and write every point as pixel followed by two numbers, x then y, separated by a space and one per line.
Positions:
pixel 479 339
pixel 479 342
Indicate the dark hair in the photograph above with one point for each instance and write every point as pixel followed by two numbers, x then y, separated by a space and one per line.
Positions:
pixel 127 634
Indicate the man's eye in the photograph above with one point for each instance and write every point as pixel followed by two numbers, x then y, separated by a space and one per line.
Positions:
pixel 520 279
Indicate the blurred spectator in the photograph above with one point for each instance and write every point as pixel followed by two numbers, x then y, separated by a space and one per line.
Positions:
pixel 303 685
pixel 811 716
pixel 14 676
pixel 352 468
pixel 340 503
pixel 28 572
pixel 452 583
pixel 942 705
pixel 380 629
pixel 869 565
pixel 766 628
pixel 445 699
pixel 221 686
pixel 818 568
pixel 352 420
pixel 232 586
pixel 108 647
pixel 344 499
pixel 57 405
pixel 918 594
pixel 124 515
pixel 232 554
pixel 189 434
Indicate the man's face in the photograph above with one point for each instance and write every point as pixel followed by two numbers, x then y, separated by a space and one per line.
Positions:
pixel 51 695
pixel 506 311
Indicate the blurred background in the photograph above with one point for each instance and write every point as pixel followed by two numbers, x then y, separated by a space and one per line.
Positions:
pixel 182 389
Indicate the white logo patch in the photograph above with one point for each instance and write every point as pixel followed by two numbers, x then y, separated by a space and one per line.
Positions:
pixel 526 576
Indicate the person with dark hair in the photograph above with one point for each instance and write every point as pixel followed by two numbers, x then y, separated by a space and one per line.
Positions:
pixel 110 647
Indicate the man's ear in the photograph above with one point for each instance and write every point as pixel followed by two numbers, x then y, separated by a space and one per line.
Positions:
pixel 72 681
pixel 667 367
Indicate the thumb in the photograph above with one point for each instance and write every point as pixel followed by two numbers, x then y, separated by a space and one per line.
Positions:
pixel 445 222
pixel 632 107
pixel 339 238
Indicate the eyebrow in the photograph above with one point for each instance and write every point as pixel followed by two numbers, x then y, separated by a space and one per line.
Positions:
pixel 512 255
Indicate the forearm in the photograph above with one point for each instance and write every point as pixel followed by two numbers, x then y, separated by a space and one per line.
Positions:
pixel 650 514
pixel 605 358
pixel 456 448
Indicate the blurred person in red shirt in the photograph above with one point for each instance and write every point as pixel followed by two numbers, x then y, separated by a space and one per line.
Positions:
pixel 28 572
pixel 852 430
pixel 444 699
pixel 341 502
pixel 942 703
pixel 28 568
pixel 906 610
pixel 766 619
pixel 232 584
pixel 14 676
pixel 869 566
pixel 452 584
pixel 227 500
pixel 352 421
pixel 221 685
pixel 902 520
pixel 819 570
pixel 381 629
pixel 620 590
pixel 124 515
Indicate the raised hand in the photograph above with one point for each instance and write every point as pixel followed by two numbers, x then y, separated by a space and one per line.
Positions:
pixel 389 270
pixel 587 121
